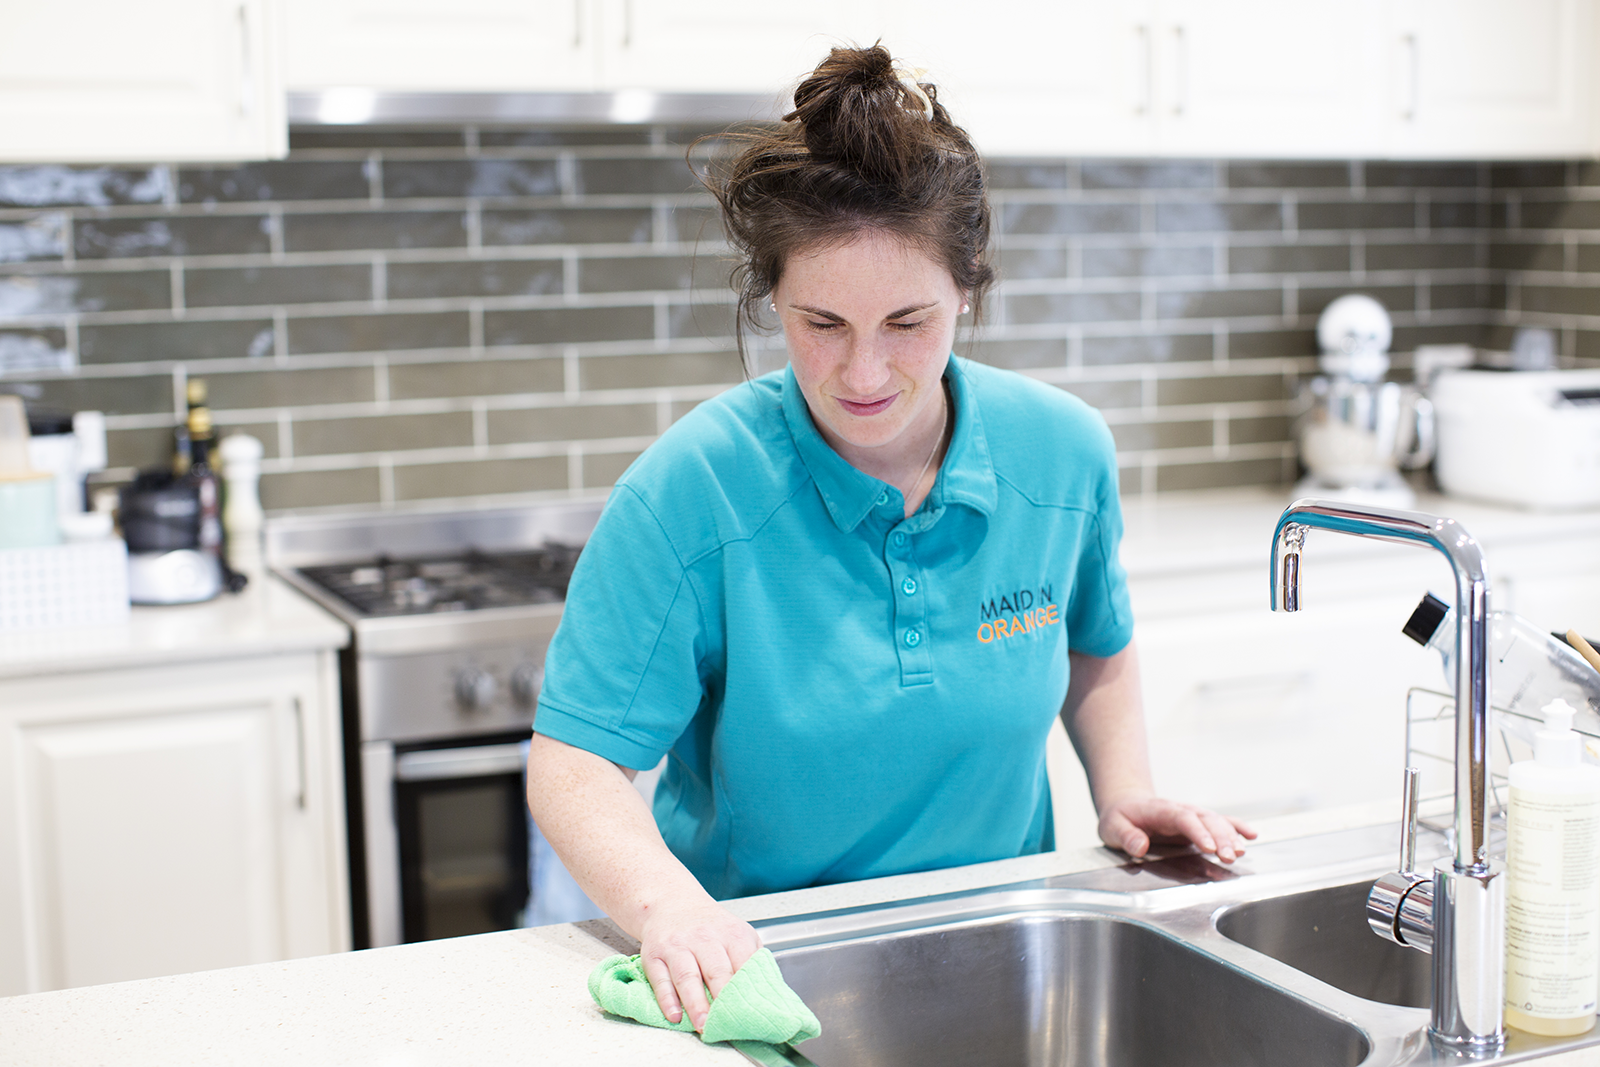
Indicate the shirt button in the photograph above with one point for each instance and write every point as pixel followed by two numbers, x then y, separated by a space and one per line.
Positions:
pixel 883 498
pixel 913 638
pixel 899 540
pixel 909 586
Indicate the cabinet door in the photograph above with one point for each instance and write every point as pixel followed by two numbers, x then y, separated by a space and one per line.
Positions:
pixel 103 81
pixel 165 822
pixel 463 45
pixel 1074 77
pixel 729 46
pixel 1262 78
pixel 1493 78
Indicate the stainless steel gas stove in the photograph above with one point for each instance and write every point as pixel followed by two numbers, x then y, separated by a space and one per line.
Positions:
pixel 451 614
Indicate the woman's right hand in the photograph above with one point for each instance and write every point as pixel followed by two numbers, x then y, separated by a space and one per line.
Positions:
pixel 691 947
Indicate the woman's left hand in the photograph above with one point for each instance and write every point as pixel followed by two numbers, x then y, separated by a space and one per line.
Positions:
pixel 1132 823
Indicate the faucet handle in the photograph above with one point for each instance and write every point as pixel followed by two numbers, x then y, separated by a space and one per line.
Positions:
pixel 1409 799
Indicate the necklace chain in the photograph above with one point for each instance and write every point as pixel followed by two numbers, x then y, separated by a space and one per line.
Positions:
pixel 944 425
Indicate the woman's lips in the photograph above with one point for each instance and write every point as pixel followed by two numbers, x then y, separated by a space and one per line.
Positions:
pixel 872 407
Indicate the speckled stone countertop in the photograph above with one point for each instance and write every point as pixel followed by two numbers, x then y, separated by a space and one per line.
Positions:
pixel 268 617
pixel 517 997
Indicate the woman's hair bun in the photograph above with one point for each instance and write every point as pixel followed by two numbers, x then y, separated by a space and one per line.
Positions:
pixel 858 108
pixel 867 148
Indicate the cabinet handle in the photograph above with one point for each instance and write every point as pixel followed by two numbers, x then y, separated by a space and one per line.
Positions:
pixel 246 89
pixel 577 23
pixel 1147 71
pixel 1180 70
pixel 300 751
pixel 1413 76
pixel 627 23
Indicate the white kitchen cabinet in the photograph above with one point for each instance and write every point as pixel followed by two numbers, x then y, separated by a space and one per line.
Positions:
pixel 730 46
pixel 561 45
pixel 1476 79
pixel 462 45
pixel 1036 79
pixel 1266 78
pixel 182 815
pixel 103 81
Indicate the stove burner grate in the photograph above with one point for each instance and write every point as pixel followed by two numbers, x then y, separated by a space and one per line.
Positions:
pixel 459 582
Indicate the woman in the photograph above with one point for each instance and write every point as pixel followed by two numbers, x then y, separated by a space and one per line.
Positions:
pixel 848 599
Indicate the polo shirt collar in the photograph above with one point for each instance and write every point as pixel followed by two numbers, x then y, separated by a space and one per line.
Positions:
pixel 966 476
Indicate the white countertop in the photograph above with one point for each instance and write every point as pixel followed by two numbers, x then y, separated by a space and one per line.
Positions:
pixel 516 997
pixel 1181 533
pixel 267 617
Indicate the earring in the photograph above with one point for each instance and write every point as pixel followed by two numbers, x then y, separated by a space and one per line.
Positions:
pixel 965 309
pixel 773 304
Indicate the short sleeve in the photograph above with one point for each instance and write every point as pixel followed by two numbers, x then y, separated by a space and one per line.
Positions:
pixel 1099 618
pixel 622 675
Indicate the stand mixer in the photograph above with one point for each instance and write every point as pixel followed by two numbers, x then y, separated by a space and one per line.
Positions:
pixel 1356 431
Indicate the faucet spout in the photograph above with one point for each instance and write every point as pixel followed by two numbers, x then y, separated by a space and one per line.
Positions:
pixel 1472 621
pixel 1460 915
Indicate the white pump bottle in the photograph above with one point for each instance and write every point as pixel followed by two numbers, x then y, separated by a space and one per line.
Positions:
pixel 1553 896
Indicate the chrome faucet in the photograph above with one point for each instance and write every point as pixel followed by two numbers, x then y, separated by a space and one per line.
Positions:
pixel 1457 914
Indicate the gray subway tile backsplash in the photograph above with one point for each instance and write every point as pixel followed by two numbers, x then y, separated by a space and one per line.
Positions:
pixel 480 178
pixel 412 315
pixel 124 237
pixel 49 185
pixel 391 331
pixel 43 236
pixel 43 294
pixel 375 229
pixel 564 225
pixel 576 423
pixel 182 341
pixel 344 434
pixel 298 387
pixel 568 325
pixel 475 277
pixel 478 377
pixel 311 283
pixel 295 180
pixel 486 477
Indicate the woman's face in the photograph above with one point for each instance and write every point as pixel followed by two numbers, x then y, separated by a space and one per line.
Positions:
pixel 869 327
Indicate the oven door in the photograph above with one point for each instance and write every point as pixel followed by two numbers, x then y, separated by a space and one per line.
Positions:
pixel 461 823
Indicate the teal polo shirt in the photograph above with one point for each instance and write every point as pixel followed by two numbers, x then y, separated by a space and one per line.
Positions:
pixel 843 692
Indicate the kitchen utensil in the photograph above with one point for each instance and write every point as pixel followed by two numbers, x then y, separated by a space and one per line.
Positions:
pixel 1585 649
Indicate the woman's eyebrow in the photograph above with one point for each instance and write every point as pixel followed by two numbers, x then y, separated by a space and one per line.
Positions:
pixel 902 313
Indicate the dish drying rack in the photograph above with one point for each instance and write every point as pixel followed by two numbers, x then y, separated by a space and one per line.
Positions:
pixel 1431 745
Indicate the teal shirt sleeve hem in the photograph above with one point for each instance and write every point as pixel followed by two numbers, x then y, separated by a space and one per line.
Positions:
pixel 579 732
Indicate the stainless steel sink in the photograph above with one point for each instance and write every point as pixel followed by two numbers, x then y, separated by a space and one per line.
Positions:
pixel 1037 989
pixel 1324 933
pixel 1178 962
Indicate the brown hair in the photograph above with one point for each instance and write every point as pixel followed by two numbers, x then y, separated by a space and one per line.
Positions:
pixel 862 150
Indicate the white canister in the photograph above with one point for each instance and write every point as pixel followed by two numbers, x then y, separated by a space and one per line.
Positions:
pixel 28 510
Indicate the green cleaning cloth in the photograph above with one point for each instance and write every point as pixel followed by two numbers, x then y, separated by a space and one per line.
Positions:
pixel 755 1005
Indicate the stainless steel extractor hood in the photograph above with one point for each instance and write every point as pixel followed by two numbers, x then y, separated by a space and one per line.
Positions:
pixel 352 106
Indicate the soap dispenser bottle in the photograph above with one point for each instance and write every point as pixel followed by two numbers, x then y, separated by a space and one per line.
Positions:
pixel 1553 894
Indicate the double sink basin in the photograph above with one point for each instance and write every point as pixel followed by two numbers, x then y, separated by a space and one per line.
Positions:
pixel 1176 962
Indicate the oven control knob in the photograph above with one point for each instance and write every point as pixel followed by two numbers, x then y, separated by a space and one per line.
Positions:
pixel 525 684
pixel 474 688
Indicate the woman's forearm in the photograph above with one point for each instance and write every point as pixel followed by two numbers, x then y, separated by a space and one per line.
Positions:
pixel 599 825
pixel 1104 717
